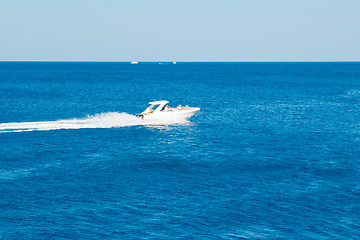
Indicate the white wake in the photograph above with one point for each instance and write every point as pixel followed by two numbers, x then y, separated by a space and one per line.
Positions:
pixel 102 120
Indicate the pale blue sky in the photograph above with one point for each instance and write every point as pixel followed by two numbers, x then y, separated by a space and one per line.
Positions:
pixel 181 30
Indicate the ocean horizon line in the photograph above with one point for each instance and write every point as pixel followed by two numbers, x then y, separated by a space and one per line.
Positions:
pixel 168 61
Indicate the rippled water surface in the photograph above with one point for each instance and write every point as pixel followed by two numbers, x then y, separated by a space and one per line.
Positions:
pixel 273 153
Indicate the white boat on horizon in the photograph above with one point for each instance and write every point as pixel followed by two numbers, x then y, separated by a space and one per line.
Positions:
pixel 160 110
pixel 134 62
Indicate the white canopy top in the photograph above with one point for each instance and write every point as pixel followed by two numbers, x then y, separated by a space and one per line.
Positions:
pixel 158 102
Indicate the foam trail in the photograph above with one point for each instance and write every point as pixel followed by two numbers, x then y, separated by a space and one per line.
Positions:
pixel 103 120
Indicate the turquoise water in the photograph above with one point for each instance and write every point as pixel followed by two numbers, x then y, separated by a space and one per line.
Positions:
pixel 273 153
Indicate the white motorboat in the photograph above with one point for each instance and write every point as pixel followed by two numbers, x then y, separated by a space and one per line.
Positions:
pixel 134 62
pixel 160 110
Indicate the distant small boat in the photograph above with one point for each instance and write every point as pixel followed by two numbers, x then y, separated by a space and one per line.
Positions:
pixel 174 62
pixel 134 62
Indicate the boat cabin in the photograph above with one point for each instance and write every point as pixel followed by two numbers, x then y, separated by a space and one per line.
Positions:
pixel 154 107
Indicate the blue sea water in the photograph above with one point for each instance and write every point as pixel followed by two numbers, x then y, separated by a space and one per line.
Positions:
pixel 273 153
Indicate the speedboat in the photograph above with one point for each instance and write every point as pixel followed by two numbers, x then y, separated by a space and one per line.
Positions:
pixel 160 110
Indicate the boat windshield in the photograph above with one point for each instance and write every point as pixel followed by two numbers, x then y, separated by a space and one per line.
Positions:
pixel 150 108
pixel 153 107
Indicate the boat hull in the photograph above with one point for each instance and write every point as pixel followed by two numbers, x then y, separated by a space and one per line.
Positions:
pixel 177 114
